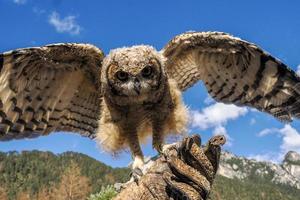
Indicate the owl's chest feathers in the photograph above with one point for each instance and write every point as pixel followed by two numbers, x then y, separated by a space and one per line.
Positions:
pixel 137 115
pixel 141 116
pixel 118 123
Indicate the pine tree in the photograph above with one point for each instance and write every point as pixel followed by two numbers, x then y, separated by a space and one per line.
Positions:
pixel 73 185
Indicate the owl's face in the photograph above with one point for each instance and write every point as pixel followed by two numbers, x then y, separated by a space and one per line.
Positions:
pixel 134 73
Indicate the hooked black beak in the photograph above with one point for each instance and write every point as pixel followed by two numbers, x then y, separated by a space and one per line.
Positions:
pixel 137 86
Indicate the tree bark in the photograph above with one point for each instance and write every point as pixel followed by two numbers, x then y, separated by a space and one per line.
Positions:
pixel 186 170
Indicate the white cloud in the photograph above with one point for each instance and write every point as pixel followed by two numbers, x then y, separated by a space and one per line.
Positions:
pixel 75 144
pixel 290 142
pixel 215 115
pixel 267 131
pixel 209 100
pixel 252 121
pixel 298 70
pixel 291 139
pixel 38 10
pixel 270 156
pixel 254 110
pixel 65 25
pixel 221 130
pixel 20 2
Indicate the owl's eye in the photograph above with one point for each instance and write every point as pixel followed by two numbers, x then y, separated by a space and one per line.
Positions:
pixel 122 76
pixel 147 71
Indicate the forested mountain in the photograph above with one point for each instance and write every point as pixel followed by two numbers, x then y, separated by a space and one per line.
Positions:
pixel 240 178
pixel 46 176
pixel 34 171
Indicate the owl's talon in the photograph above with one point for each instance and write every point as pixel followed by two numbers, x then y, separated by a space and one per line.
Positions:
pixel 138 171
pixel 137 167
pixel 136 174
pixel 158 148
pixel 162 148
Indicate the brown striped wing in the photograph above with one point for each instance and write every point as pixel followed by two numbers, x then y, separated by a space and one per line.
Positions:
pixel 234 71
pixel 50 88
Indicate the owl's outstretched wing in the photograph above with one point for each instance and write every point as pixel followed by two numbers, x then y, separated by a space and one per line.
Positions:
pixel 234 71
pixel 50 88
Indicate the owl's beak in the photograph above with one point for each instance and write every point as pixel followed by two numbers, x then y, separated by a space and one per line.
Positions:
pixel 137 86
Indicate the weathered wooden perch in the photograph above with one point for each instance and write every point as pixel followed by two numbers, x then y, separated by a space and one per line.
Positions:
pixel 185 171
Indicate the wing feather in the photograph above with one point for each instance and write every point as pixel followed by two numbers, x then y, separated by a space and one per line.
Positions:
pixel 50 88
pixel 234 71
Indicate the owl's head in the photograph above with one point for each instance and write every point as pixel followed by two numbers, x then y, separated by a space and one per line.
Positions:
pixel 133 74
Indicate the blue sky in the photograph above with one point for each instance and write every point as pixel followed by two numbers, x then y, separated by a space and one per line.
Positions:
pixel 273 25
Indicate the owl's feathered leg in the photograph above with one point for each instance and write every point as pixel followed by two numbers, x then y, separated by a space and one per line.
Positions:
pixel 157 138
pixel 158 120
pixel 137 154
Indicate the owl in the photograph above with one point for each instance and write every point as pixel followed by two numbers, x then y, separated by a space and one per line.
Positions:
pixel 133 92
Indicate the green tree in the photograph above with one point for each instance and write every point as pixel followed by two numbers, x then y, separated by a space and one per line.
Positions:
pixel 106 193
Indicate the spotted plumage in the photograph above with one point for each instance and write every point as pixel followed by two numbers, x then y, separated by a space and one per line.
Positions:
pixel 133 92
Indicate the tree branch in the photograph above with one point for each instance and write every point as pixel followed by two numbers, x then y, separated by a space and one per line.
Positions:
pixel 186 170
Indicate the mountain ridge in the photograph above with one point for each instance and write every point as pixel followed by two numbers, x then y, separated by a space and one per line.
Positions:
pixel 287 172
pixel 238 177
